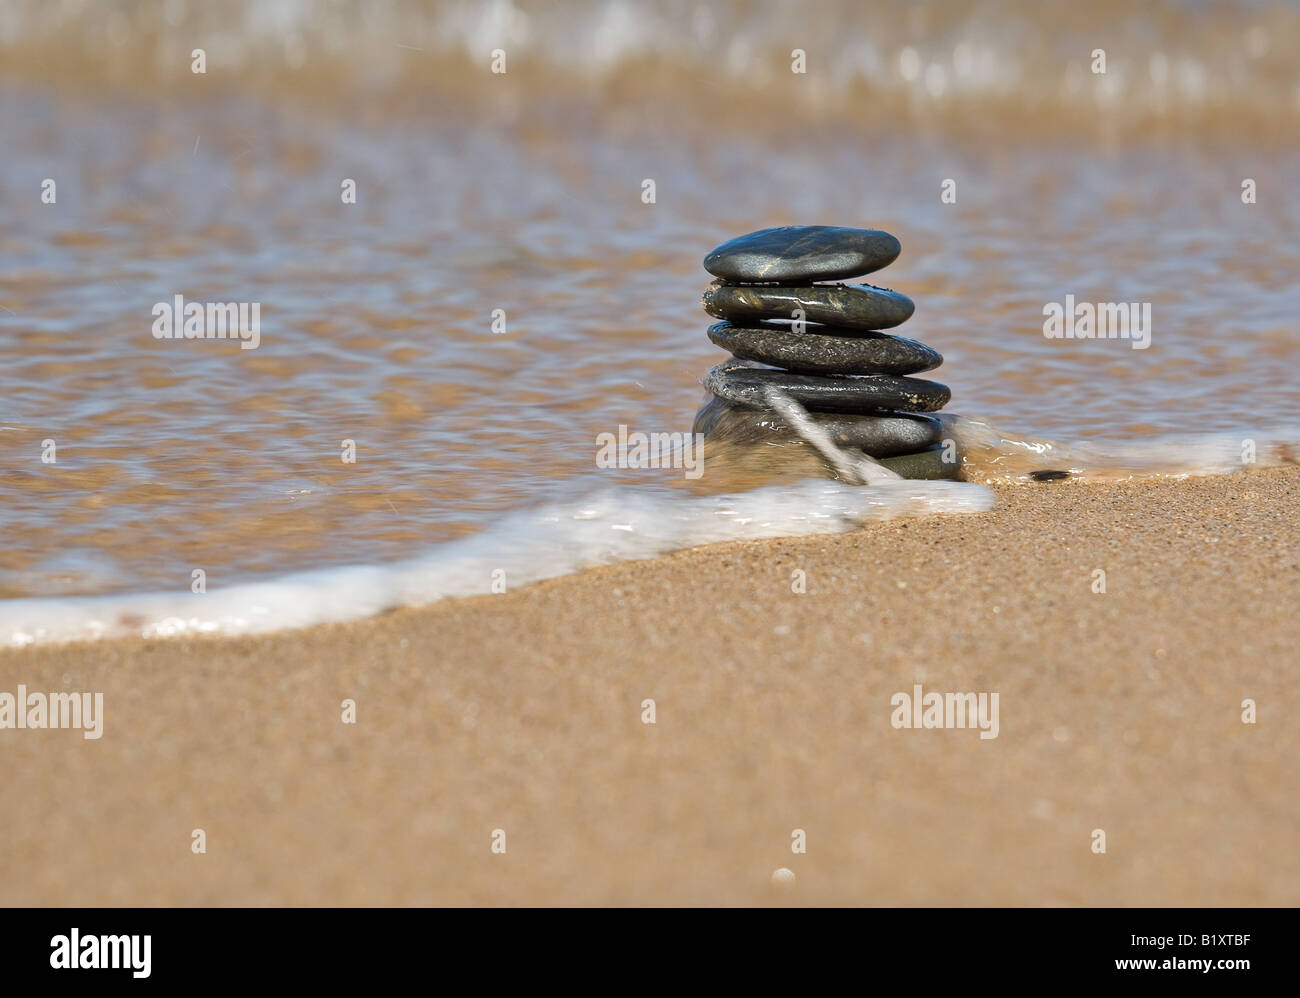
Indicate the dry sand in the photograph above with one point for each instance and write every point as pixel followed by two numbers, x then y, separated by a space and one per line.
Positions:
pixel 1119 711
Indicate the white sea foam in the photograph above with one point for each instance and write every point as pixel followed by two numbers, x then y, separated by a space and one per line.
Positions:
pixel 616 525
pixel 1166 455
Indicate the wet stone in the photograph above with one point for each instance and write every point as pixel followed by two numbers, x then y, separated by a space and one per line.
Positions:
pixel 882 435
pixel 824 350
pixel 820 345
pixel 847 306
pixel 797 254
pixel 745 386
pixel 927 464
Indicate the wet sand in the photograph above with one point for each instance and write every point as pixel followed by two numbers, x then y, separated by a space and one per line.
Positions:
pixel 1119 711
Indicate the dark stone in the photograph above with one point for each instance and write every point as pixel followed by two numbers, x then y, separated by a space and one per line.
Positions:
pixel 1048 476
pixel 797 254
pixel 927 464
pixel 823 350
pixel 880 436
pixel 848 306
pixel 832 393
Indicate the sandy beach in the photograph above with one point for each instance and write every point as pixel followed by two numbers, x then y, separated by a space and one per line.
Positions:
pixel 1119 711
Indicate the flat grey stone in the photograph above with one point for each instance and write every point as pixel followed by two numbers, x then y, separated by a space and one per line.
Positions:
pixel 796 254
pixel 822 350
pixel 831 393
pixel 882 435
pixel 927 464
pixel 848 306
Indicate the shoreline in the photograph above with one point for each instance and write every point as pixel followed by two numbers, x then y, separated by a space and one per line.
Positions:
pixel 523 711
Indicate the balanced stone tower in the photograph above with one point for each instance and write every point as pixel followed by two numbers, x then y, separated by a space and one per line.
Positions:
pixel 822 346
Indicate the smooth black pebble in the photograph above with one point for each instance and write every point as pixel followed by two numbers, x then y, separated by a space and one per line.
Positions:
pixel 832 393
pixel 796 254
pixel 881 435
pixel 824 350
pixel 848 306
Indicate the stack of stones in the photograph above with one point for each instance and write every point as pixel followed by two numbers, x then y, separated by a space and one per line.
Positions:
pixel 832 358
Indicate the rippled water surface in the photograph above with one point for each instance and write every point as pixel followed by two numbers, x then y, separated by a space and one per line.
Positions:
pixel 523 193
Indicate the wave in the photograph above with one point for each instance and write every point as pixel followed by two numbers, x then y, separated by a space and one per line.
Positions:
pixel 1164 59
pixel 626 524
pixel 992 454
pixel 621 524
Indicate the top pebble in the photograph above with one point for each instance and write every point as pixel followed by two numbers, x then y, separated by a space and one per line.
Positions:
pixel 794 254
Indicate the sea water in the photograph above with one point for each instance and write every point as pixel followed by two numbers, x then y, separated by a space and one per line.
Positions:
pixel 461 282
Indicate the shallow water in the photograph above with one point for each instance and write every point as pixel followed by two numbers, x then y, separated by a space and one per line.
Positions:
pixel 523 192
